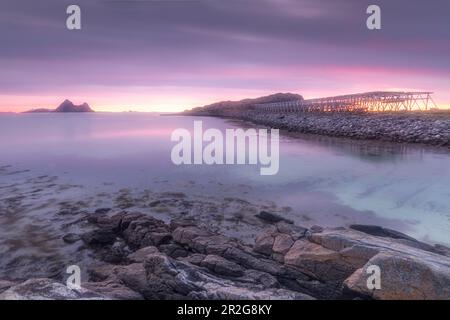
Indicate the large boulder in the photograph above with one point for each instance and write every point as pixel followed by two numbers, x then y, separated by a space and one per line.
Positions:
pixel 402 277
pixel 323 264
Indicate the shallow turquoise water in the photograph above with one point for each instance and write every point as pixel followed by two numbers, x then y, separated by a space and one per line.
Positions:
pixel 326 181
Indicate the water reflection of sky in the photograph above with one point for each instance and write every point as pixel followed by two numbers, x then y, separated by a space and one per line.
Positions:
pixel 325 180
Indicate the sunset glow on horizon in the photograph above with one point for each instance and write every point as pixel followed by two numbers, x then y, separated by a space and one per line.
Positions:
pixel 153 56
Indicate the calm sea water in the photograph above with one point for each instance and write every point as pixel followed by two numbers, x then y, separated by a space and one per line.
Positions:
pixel 325 181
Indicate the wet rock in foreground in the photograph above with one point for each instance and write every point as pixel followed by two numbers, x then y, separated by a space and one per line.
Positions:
pixel 180 260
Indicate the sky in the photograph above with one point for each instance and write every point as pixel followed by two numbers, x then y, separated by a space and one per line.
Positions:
pixel 171 55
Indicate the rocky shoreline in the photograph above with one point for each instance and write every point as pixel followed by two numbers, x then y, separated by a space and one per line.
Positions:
pixel 431 128
pixel 141 257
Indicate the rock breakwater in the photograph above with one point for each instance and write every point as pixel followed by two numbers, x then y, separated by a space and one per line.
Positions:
pixel 431 128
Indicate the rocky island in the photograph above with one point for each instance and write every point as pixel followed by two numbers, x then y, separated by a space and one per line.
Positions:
pixel 66 107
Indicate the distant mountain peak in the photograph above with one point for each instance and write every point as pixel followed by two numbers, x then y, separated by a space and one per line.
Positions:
pixel 65 107
pixel 68 106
